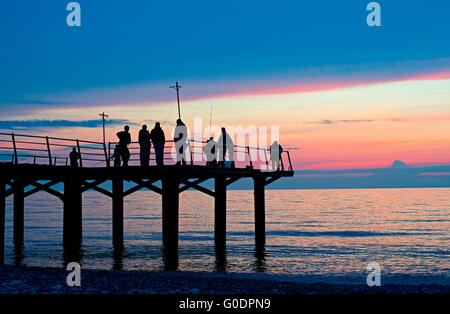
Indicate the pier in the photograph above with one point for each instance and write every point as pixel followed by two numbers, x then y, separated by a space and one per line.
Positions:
pixel 38 163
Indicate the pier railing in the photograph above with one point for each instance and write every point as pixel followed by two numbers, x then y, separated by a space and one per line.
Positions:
pixel 54 151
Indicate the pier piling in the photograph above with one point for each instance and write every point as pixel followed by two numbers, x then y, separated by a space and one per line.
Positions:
pixel 117 211
pixel 72 224
pixel 19 199
pixel 260 219
pixel 170 210
pixel 2 221
pixel 220 212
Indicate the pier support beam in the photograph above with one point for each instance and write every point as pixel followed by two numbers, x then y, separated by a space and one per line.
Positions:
pixel 260 219
pixel 2 221
pixel 117 212
pixel 170 208
pixel 73 217
pixel 19 199
pixel 220 212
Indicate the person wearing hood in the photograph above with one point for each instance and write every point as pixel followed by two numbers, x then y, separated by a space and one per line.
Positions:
pixel 225 144
pixel 158 140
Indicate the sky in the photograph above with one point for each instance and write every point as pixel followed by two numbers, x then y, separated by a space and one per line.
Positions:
pixel 347 95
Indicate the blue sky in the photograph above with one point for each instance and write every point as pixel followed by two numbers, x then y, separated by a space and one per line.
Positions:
pixel 130 42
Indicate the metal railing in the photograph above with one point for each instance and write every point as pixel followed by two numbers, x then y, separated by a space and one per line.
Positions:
pixel 54 151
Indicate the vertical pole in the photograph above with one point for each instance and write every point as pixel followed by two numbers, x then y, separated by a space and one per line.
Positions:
pixel 49 151
pixel 103 118
pixel 249 157
pixel 178 100
pixel 290 163
pixel 106 155
pixel 220 211
pixel 267 159
pixel 117 211
pixel 79 153
pixel 2 221
pixel 73 217
pixel 18 211
pixel 170 209
pixel 16 159
pixel 260 220
pixel 190 153
pixel 103 115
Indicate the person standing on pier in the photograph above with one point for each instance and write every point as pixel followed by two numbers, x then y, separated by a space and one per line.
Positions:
pixel 210 152
pixel 144 143
pixel 225 144
pixel 124 140
pixel 180 137
pixel 158 139
pixel 275 156
pixel 74 157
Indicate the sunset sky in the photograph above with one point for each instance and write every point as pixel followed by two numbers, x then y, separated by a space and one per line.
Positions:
pixel 347 95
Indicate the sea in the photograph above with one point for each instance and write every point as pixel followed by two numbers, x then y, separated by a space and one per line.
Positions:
pixel 328 235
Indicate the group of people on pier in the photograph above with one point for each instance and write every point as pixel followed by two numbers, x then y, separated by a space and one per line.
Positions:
pixel 156 136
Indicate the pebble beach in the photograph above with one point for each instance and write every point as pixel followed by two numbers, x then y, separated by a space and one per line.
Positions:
pixel 36 280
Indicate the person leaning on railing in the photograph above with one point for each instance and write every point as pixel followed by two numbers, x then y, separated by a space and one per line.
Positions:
pixel 210 152
pixel 74 156
pixel 275 156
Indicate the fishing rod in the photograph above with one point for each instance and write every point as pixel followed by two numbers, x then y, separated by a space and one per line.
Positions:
pixel 210 121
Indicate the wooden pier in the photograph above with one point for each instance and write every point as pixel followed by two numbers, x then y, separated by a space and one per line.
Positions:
pixel 21 180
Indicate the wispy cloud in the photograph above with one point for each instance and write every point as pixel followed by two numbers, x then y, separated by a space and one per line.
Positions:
pixel 30 124
pixel 326 121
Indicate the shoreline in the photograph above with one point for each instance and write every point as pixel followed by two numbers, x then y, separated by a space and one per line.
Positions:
pixel 45 280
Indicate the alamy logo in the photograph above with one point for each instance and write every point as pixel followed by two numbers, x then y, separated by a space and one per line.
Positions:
pixel 74 17
pixel 74 277
pixel 374 17
pixel 374 277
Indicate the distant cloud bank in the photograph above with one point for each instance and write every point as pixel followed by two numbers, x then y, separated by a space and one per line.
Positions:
pixel 30 124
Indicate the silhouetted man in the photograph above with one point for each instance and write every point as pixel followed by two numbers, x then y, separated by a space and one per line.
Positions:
pixel 210 152
pixel 158 139
pixel 124 140
pixel 74 157
pixel 225 144
pixel 144 143
pixel 117 156
pixel 275 156
pixel 180 137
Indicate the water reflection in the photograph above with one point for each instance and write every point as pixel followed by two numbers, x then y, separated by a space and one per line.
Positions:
pixel 18 254
pixel 118 257
pixel 221 259
pixel 170 257
pixel 260 259
pixel 73 253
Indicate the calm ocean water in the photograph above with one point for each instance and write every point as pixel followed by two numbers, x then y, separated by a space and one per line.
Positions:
pixel 328 235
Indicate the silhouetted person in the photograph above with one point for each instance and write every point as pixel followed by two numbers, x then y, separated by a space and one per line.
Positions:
pixel 144 143
pixel 275 156
pixel 116 156
pixel 180 137
pixel 210 152
pixel 74 157
pixel 225 144
pixel 124 139
pixel 158 139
